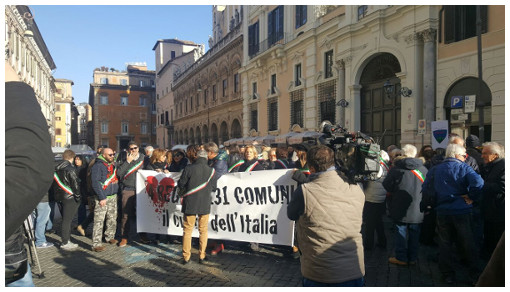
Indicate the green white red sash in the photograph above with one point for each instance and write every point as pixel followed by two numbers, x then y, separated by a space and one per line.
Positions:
pixel 66 189
pixel 236 165
pixel 110 179
pixel 252 166
pixel 282 163
pixel 200 187
pixel 383 163
pixel 305 171
pixel 133 169
pixel 419 175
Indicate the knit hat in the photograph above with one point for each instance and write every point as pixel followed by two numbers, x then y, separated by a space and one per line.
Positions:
pixel 472 141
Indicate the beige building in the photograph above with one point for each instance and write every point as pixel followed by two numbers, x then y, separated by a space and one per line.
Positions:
pixel 27 59
pixel 371 68
pixel 64 112
pixel 457 71
pixel 173 57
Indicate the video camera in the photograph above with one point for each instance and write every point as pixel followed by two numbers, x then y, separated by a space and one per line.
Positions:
pixel 356 154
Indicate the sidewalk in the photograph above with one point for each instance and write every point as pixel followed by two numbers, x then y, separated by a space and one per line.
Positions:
pixel 139 265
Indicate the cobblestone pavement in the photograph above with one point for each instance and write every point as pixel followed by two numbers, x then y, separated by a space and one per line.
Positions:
pixel 140 265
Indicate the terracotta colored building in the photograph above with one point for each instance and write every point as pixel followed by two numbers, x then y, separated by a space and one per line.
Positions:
pixel 123 106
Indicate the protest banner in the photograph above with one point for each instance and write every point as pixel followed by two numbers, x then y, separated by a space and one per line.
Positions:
pixel 249 207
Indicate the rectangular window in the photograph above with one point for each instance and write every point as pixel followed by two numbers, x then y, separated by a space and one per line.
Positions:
pixel 59 144
pixel 253 39
pixel 123 82
pixel 104 127
pixel 141 83
pixel 275 26
pixel 58 131
pixel 143 101
pixel 253 117
pixel 328 64
pixel 205 96
pixel 224 87
pixel 154 129
pixel 326 101
pixel 58 107
pixel 58 118
pixel 172 55
pixel 191 103
pixel 214 92
pixel 143 128
pixel 105 142
pixel 124 128
pixel 153 105
pixel 460 22
pixel 198 99
pixel 297 75
pixel 162 119
pixel 300 15
pixel 236 82
pixel 362 11
pixel 254 90
pixel 296 107
pixel 103 99
pixel 186 106
pixel 273 84
pixel 124 100
pixel 272 114
pixel 167 122
pixel 104 80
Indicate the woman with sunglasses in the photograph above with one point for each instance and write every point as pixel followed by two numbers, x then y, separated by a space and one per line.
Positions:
pixel 179 161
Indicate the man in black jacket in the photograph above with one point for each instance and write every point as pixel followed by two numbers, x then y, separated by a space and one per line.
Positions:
pixel 66 189
pixel 196 184
pixel 28 174
pixel 493 194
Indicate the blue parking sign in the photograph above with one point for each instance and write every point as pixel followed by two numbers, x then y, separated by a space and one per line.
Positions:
pixel 457 101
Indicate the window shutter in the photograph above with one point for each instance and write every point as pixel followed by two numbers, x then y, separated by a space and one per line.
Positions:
pixel 449 24
pixel 298 16
pixel 270 28
pixel 280 23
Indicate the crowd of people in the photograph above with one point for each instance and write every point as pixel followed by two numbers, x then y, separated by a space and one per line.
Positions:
pixel 467 211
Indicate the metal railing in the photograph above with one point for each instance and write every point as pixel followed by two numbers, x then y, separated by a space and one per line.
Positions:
pixel 268 44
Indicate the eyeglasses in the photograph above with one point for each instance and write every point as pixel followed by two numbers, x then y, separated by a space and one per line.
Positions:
pixel 133 148
pixel 111 155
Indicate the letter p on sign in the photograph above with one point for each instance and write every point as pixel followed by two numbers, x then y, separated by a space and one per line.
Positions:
pixel 457 101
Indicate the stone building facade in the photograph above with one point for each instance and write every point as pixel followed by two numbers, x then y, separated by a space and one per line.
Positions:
pixel 64 106
pixel 84 118
pixel 124 106
pixel 28 59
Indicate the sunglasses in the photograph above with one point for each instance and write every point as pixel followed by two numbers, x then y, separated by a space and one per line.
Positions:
pixel 133 148
pixel 111 155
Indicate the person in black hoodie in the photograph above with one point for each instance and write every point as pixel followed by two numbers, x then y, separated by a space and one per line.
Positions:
pixel 473 149
pixel 66 189
pixel 196 183
pixel 81 171
pixel 28 174
pixel 179 161
pixel 493 195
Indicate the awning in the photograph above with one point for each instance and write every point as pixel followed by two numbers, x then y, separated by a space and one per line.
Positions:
pixel 180 146
pixel 303 137
pixel 249 140
pixel 266 140
pixel 282 139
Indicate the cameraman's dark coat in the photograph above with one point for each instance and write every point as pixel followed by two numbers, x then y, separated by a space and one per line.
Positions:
pixel 402 183
pixel 493 198
pixel 192 176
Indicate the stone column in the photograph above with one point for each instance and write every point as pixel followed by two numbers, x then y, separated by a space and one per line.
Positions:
pixel 429 75
pixel 353 123
pixel 340 93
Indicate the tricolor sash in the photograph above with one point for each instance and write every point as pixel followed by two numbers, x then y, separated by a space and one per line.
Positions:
pixel 133 169
pixel 110 179
pixel 384 164
pixel 66 189
pixel 282 163
pixel 200 187
pixel 252 166
pixel 235 165
pixel 419 175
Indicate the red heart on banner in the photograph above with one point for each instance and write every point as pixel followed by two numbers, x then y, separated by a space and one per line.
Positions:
pixel 159 191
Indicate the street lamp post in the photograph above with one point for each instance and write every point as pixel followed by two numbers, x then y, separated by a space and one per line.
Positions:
pixel 481 131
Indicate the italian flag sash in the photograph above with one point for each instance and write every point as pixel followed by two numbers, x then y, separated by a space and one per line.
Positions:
pixel 110 179
pixel 419 175
pixel 66 189
pixel 383 163
pixel 133 169
pixel 235 165
pixel 200 187
pixel 305 171
pixel 282 163
pixel 252 167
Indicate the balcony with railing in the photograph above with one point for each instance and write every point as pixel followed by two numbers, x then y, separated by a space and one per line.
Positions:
pixel 263 46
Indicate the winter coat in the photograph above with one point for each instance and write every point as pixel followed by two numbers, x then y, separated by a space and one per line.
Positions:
pixel 250 165
pixel 127 172
pixel 493 198
pixel 234 161
pixel 66 184
pixel 404 182
pixel 472 144
pixel 103 177
pixel 219 163
pixel 452 179
pixel 193 176
pixel 302 174
pixel 178 167
pixel 157 165
pixel 282 164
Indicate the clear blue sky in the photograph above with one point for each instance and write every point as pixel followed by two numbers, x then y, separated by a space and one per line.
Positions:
pixel 81 38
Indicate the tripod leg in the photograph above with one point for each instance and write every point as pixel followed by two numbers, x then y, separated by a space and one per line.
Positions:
pixel 31 246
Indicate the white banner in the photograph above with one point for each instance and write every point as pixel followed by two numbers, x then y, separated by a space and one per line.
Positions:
pixel 249 207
